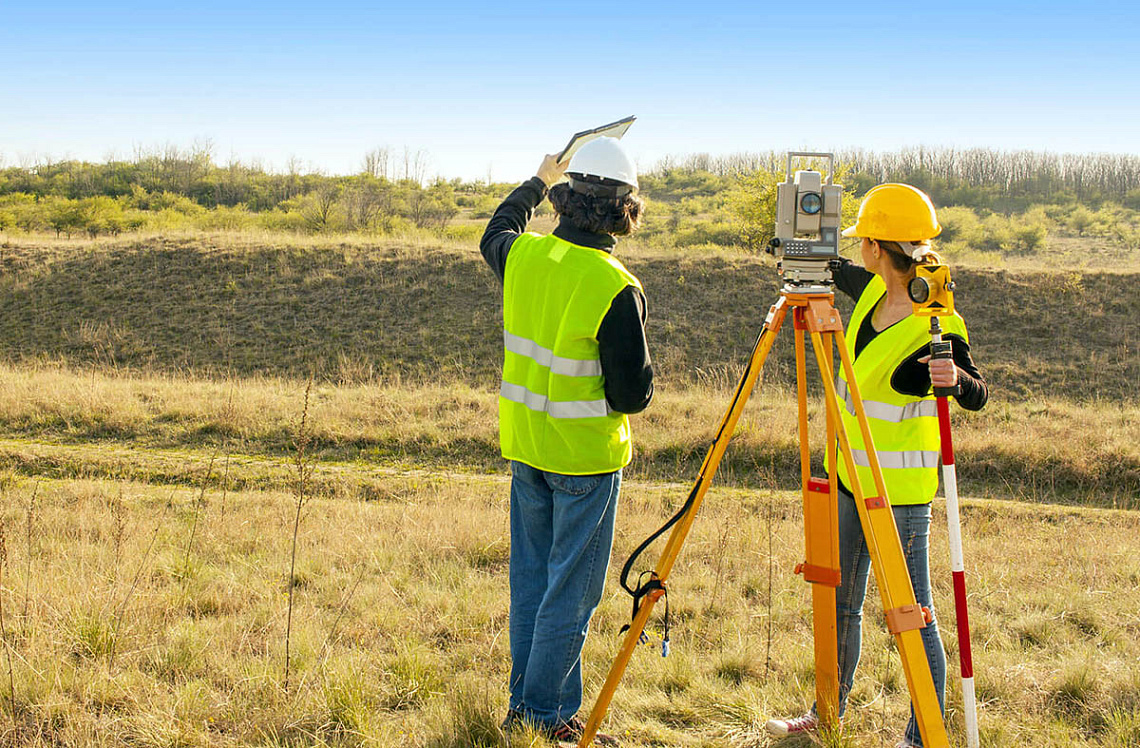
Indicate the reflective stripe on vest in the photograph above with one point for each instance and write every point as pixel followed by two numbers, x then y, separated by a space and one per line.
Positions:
pixel 886 411
pixel 570 367
pixel 897 460
pixel 516 393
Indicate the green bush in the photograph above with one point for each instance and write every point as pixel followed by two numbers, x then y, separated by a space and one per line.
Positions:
pixel 223 218
pixel 708 232
pixel 959 224
pixel 281 220
pixel 105 215
pixel 1029 236
pixel 484 206
pixel 464 233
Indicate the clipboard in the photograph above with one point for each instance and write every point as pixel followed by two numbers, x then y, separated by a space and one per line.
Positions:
pixel 579 139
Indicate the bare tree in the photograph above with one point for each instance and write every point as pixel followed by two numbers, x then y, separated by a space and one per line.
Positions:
pixel 432 207
pixel 319 213
pixel 376 162
pixel 415 165
pixel 293 171
pixel 364 202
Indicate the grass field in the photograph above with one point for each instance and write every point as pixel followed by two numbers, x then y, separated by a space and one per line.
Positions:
pixel 148 433
pixel 148 614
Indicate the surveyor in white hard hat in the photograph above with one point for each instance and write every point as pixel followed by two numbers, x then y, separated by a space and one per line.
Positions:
pixel 890 348
pixel 575 365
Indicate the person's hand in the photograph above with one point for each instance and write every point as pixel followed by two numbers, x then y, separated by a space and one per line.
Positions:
pixel 551 170
pixel 943 371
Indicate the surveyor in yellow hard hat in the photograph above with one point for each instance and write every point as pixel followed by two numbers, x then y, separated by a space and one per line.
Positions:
pixel 575 364
pixel 890 348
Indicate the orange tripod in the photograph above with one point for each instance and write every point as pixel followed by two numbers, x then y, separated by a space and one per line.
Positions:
pixel 814 315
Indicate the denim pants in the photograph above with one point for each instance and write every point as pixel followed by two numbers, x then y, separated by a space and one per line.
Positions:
pixel 562 532
pixel 913 523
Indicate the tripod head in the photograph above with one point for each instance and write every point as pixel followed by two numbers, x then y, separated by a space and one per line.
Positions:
pixel 808 213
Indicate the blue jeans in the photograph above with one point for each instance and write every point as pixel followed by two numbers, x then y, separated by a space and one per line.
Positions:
pixel 562 532
pixel 913 523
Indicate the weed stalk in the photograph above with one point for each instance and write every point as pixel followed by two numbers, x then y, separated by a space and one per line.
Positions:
pixel 300 461
pixel 30 534
pixel 122 609
pixel 197 513
pixel 3 629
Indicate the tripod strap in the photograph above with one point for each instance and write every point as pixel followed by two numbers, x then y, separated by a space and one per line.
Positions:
pixel 654 585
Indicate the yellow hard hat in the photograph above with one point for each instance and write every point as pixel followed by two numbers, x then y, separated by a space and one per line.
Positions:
pixel 896 213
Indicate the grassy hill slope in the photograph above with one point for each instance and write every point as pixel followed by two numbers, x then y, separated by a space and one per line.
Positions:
pixel 354 310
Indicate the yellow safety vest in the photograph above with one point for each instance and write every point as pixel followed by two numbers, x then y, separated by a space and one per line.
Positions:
pixel 904 428
pixel 553 413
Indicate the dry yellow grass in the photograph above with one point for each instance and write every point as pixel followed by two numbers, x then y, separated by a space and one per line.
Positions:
pixel 400 624
pixel 65 422
pixel 401 569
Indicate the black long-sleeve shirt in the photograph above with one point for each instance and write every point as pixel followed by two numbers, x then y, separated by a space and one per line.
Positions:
pixel 912 377
pixel 624 353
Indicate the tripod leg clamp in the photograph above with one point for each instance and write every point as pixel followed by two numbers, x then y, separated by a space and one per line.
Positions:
pixel 908 618
pixel 818 574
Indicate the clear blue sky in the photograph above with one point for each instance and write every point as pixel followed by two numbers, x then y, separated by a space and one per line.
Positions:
pixel 487 88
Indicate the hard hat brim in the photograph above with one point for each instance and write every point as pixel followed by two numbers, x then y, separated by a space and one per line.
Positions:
pixel 850 231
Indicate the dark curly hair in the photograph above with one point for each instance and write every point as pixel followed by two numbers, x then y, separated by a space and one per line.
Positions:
pixel 617 216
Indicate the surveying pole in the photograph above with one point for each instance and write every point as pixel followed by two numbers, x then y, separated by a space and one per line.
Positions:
pixel 932 293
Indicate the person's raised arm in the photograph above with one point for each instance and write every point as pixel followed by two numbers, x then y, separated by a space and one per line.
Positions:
pixel 511 217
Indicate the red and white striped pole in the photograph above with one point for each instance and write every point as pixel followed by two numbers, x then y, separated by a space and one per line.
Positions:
pixel 957 563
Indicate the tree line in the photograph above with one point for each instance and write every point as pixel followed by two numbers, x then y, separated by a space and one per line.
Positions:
pixel 175 189
pixel 1000 200
pixel 981 178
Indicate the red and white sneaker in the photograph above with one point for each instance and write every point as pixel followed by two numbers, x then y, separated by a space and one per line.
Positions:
pixel 570 732
pixel 795 726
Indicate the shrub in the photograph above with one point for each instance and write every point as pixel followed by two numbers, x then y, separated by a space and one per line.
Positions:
pixel 959 224
pixel 1029 236
pixel 464 233
pixel 708 232
pixel 225 218
pixel 995 234
pixel 105 215
pixel 484 206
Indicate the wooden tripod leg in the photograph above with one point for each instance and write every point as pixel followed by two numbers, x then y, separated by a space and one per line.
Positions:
pixel 680 531
pixel 821 553
pixel 904 617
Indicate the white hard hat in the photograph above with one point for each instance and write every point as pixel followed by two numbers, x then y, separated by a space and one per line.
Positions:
pixel 603 158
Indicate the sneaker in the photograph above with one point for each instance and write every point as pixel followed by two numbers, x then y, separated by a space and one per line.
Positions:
pixel 571 731
pixel 513 720
pixel 796 726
